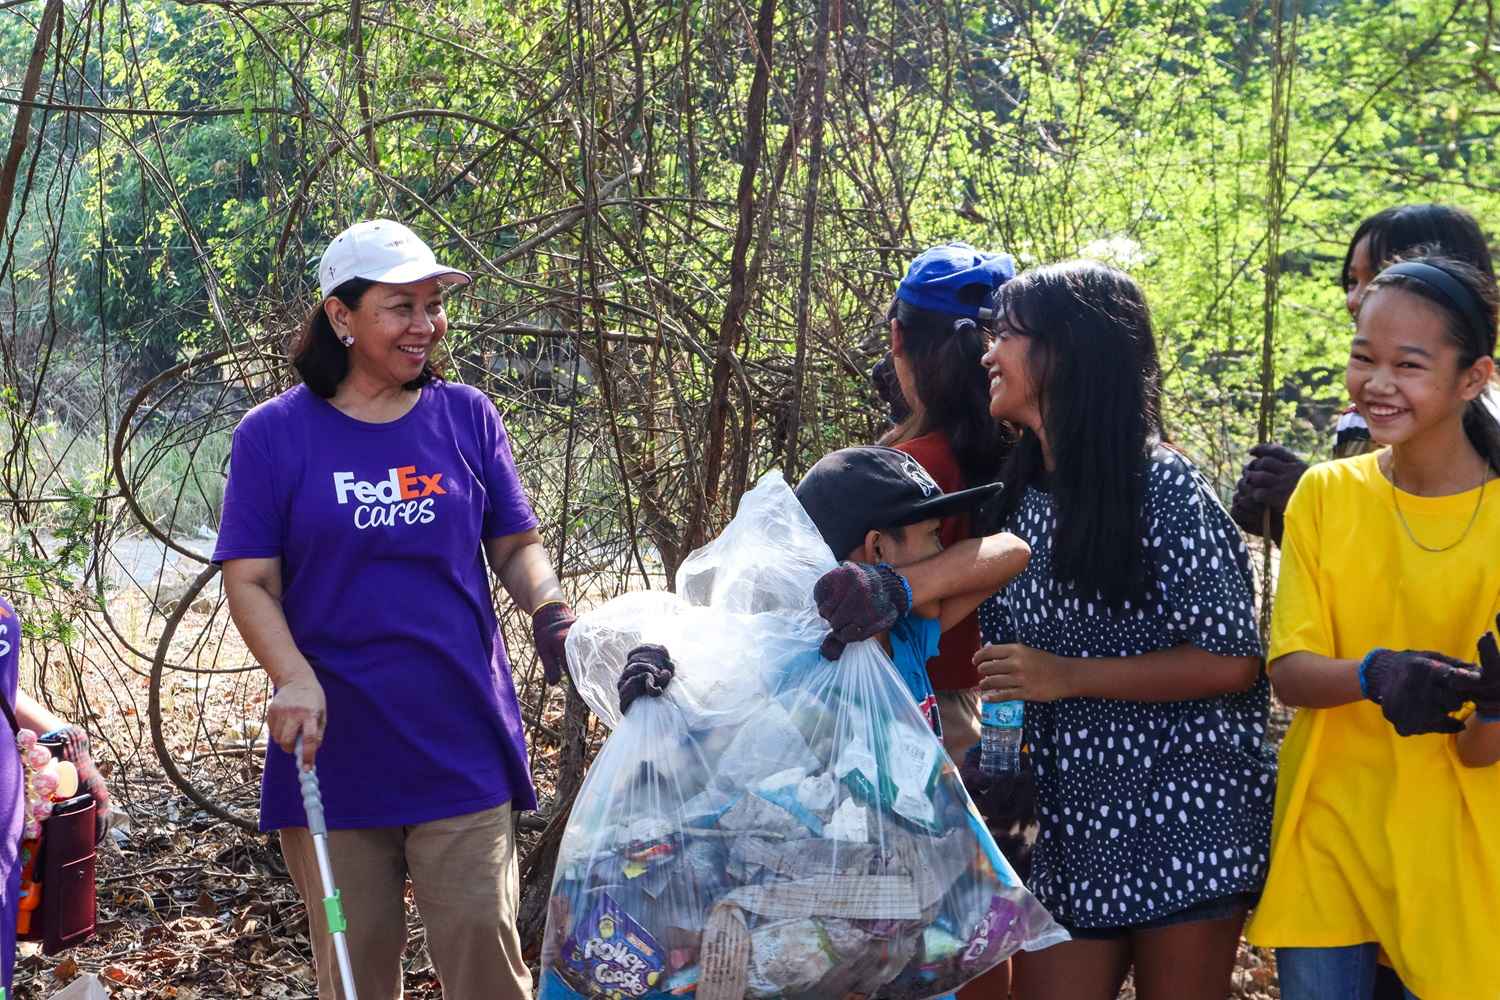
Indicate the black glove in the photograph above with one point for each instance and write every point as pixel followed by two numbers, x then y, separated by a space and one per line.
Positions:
pixel 1251 516
pixel 648 671
pixel 1006 801
pixel 550 624
pixel 1485 690
pixel 976 782
pixel 1266 484
pixel 1416 689
pixel 859 600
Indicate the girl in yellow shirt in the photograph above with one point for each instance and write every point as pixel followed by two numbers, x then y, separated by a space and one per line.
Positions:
pixel 1387 826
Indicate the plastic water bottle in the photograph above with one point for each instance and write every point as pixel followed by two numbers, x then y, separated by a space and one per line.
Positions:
pixel 1000 737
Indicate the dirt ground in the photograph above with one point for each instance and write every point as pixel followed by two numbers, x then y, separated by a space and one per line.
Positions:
pixel 192 907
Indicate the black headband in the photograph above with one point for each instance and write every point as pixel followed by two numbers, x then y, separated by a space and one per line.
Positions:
pixel 1446 285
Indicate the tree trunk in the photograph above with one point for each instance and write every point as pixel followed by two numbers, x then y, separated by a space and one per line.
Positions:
pixel 18 135
pixel 733 323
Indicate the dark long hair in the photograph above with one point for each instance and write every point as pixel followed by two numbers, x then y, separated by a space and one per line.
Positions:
pixel 1401 229
pixel 944 351
pixel 319 358
pixel 1092 356
pixel 1475 339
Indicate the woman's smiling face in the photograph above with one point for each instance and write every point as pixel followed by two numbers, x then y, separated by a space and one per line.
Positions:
pixel 1404 373
pixel 1013 393
pixel 395 329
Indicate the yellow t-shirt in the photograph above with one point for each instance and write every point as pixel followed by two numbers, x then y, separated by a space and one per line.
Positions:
pixel 1379 837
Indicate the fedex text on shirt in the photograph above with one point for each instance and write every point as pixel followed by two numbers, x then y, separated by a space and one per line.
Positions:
pixel 405 496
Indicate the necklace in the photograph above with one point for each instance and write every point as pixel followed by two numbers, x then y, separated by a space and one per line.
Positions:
pixel 1396 499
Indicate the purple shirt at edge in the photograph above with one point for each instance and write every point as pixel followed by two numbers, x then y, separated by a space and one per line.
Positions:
pixel 12 799
pixel 385 588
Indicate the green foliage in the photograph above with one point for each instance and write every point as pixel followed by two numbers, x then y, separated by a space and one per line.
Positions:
pixel 1137 132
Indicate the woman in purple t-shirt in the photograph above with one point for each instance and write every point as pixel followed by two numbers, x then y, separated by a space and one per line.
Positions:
pixel 360 511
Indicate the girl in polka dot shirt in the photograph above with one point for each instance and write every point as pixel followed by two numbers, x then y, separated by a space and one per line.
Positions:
pixel 1131 637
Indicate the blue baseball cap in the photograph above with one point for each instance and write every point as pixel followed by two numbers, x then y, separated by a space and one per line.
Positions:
pixel 943 279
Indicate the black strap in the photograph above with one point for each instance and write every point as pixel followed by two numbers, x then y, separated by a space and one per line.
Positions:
pixel 1446 285
pixel 10 716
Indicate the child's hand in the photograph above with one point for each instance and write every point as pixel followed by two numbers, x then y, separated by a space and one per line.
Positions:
pixel 859 601
pixel 1006 801
pixel 76 749
pixel 1019 673
pixel 1266 484
pixel 648 670
pixel 1486 689
pixel 1416 689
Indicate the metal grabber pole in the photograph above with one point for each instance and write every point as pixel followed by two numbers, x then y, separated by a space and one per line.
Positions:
pixel 333 907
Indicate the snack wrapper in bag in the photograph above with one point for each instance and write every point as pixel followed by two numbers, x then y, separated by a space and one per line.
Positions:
pixel 775 824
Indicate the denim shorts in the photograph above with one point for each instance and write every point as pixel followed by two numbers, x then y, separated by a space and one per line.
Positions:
pixel 1337 973
pixel 1210 909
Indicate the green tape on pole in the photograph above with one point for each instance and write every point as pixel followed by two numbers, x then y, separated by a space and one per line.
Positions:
pixel 332 906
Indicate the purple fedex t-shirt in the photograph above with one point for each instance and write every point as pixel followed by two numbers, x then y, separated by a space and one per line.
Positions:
pixel 12 797
pixel 384 585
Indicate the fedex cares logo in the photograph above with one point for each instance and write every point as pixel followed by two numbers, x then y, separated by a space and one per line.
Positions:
pixel 405 496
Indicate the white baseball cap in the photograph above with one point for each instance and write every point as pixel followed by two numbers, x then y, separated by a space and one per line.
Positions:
pixel 380 250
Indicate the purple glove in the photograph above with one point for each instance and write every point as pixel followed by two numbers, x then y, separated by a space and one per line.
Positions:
pixel 549 630
pixel 1416 689
pixel 859 600
pixel 90 781
pixel 648 671
pixel 1266 485
pixel 1485 690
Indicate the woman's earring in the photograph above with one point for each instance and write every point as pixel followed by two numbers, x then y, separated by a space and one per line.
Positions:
pixel 347 340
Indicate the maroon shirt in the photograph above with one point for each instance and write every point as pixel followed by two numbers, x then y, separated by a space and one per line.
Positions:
pixel 953 668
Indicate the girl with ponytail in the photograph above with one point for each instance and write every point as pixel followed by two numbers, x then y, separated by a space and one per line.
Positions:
pixel 938 396
pixel 1389 799
pixel 938 322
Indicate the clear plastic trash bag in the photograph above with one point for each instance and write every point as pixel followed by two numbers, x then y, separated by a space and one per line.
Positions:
pixel 776 825
pixel 744 598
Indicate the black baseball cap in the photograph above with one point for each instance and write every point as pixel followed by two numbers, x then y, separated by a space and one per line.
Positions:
pixel 853 491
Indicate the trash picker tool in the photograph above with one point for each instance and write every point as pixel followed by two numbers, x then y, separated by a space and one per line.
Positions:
pixel 333 907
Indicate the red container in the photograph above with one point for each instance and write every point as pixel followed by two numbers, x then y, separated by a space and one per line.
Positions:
pixel 66 864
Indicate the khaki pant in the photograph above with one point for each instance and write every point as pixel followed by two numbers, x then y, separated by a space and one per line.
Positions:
pixel 463 876
pixel 958 711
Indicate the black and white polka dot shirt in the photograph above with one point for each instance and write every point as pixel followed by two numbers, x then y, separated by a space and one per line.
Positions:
pixel 1146 808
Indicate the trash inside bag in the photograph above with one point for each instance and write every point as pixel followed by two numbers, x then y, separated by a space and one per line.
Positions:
pixel 775 825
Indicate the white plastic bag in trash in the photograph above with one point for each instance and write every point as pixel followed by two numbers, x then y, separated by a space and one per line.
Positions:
pixel 775 825
pixel 746 594
pixel 85 987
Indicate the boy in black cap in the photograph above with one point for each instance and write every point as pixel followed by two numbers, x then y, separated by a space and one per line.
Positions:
pixel 878 510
